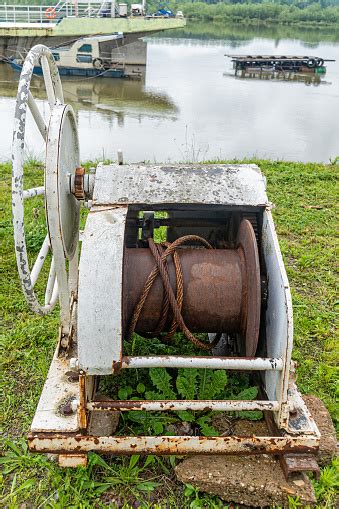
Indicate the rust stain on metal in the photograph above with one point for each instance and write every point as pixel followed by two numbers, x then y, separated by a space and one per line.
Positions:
pixel 72 460
pixel 116 366
pixel 172 445
pixel 79 189
pixel 82 411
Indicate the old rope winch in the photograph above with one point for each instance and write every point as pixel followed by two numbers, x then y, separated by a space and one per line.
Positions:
pixel 219 271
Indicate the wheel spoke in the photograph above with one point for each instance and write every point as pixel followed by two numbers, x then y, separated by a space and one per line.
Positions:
pixel 37 116
pixel 33 191
pixel 50 283
pixel 40 261
pixel 48 81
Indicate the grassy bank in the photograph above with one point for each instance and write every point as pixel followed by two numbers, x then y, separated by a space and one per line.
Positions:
pixel 304 195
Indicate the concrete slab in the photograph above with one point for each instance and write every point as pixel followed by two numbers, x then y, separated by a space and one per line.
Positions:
pixel 252 481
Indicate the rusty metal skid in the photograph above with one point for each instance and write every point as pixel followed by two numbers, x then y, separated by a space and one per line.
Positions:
pixel 54 432
pixel 223 208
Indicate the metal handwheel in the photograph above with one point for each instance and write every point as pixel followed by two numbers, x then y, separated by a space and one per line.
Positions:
pixel 62 208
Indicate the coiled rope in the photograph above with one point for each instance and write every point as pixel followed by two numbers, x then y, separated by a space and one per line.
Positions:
pixel 160 254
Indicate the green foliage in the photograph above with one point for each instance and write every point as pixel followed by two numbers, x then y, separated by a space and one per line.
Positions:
pixel 263 12
pixel 190 384
pixel 186 383
pixel 327 487
pixel 212 383
pixel 162 381
pixel 197 500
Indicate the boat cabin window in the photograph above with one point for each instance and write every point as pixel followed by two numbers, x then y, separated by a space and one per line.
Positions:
pixel 56 56
pixel 87 59
pixel 85 48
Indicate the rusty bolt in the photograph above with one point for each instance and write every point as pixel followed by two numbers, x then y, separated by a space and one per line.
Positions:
pixel 73 376
pixel 69 407
pixel 66 409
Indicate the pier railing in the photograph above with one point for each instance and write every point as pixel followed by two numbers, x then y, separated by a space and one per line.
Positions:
pixel 52 13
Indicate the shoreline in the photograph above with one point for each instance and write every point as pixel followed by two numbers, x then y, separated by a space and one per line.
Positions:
pixel 264 23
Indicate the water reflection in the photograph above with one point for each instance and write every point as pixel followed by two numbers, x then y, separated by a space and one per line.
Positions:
pixel 292 77
pixel 109 97
pixel 237 34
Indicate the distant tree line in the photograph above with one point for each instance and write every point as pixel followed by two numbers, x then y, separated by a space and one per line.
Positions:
pixel 325 12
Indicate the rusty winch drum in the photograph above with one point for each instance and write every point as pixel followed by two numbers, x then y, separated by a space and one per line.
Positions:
pixel 221 289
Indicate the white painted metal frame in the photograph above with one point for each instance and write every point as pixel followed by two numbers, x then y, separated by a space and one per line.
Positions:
pixel 203 184
pixel 177 361
pixel 279 319
pixel 100 290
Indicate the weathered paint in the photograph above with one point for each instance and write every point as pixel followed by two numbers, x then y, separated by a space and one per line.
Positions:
pixel 201 405
pixel 58 389
pixel 179 445
pixel 177 361
pixel 100 290
pixel 62 208
pixel 33 191
pixel 72 460
pixel 24 99
pixel 216 184
pixel 279 318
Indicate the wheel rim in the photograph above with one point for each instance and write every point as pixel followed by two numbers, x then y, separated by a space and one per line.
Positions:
pixel 25 99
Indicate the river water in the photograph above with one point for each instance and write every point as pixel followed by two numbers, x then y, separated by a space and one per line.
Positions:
pixel 191 107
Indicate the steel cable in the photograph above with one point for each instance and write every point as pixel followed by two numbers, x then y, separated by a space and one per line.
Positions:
pixel 170 300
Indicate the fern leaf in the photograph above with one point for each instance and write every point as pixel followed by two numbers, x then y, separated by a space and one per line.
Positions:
pixel 204 384
pixel 137 416
pixel 186 382
pixel 162 381
pixel 248 394
pixel 212 383
pixel 185 416
pixel 205 428
pixel 219 381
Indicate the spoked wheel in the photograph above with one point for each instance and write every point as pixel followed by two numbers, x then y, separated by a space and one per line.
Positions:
pixel 62 209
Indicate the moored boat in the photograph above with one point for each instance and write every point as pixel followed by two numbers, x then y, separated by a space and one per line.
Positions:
pixel 88 56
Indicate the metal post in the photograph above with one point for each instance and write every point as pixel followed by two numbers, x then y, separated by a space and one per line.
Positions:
pixel 120 157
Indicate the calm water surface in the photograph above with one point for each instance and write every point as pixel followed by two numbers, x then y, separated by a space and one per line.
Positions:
pixel 191 106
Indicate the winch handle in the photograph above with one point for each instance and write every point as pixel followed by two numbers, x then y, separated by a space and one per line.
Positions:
pixel 38 55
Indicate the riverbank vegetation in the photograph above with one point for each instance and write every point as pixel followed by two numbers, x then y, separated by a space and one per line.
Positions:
pixel 287 12
pixel 253 12
pixel 239 33
pixel 304 195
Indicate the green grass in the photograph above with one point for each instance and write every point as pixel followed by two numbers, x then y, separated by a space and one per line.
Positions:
pixel 304 195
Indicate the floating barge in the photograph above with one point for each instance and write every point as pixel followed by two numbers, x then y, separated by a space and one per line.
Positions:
pixel 298 64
